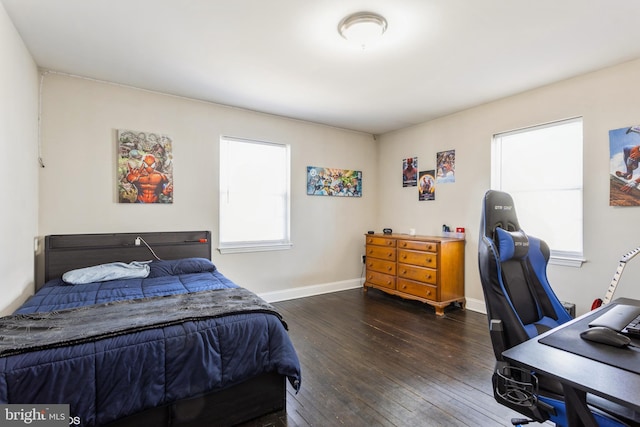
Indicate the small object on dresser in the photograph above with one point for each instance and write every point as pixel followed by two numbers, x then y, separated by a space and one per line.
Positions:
pixel 386 231
pixel 370 232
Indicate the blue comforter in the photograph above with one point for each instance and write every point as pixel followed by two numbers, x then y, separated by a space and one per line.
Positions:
pixel 58 295
pixel 110 378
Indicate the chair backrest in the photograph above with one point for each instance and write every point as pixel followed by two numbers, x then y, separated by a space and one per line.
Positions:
pixel 513 272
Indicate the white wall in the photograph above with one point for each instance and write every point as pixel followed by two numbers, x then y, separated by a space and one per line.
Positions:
pixel 18 165
pixel 77 188
pixel 78 184
pixel 608 99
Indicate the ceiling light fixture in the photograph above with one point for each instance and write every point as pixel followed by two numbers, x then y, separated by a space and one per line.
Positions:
pixel 363 28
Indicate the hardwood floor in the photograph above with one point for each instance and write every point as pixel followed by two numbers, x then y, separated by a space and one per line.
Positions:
pixel 371 359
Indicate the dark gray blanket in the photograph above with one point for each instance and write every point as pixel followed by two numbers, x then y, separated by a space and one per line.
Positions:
pixel 38 331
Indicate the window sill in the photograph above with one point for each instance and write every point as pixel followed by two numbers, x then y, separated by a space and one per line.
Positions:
pixel 253 247
pixel 567 262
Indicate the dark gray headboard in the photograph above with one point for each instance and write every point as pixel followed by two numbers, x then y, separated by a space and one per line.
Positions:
pixel 64 252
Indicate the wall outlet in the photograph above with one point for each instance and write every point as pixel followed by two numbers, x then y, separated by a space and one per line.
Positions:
pixel 364 259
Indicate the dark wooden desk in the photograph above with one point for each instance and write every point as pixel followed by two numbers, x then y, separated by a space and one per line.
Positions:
pixel 580 375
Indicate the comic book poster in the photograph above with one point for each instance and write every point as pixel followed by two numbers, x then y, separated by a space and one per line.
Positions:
pixel 446 166
pixel 624 157
pixel 427 185
pixel 145 167
pixel 333 182
pixel 410 172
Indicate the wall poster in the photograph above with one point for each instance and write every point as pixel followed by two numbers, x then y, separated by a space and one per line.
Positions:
pixel 427 186
pixel 145 167
pixel 333 182
pixel 624 157
pixel 410 172
pixel 446 166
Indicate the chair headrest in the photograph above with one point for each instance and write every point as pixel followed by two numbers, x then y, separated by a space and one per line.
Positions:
pixel 499 212
pixel 511 244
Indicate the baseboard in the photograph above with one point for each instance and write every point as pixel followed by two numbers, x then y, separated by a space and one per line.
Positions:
pixel 476 305
pixel 309 291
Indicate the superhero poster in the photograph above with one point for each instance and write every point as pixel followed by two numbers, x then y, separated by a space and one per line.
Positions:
pixel 427 185
pixel 145 167
pixel 624 157
pixel 333 182
pixel 410 172
pixel 446 166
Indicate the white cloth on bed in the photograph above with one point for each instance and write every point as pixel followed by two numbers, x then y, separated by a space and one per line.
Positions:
pixel 104 272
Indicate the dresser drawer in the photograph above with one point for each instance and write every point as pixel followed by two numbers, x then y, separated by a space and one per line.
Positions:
pixel 418 289
pixel 418 246
pixel 381 241
pixel 425 259
pixel 382 266
pixel 420 274
pixel 381 252
pixel 380 279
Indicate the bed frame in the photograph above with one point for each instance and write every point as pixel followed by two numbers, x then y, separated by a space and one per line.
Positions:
pixel 261 395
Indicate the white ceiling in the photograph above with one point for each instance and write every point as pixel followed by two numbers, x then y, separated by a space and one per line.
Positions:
pixel 285 57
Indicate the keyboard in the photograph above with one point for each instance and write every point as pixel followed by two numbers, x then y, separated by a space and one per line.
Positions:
pixel 621 318
pixel 633 328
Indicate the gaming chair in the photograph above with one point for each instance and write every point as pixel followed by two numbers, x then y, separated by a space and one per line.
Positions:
pixel 520 305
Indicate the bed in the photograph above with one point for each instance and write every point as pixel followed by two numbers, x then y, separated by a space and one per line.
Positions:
pixel 180 346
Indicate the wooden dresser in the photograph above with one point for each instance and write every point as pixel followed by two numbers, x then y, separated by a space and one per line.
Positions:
pixel 424 268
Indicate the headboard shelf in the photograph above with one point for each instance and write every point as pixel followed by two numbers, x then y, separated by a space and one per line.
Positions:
pixel 60 241
pixel 64 252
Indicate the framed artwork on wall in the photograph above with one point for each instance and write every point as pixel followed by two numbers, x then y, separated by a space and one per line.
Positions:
pixel 145 167
pixel 333 182
pixel 427 185
pixel 624 158
pixel 410 172
pixel 446 166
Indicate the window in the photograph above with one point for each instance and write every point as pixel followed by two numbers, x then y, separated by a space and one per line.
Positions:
pixel 254 196
pixel 541 167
